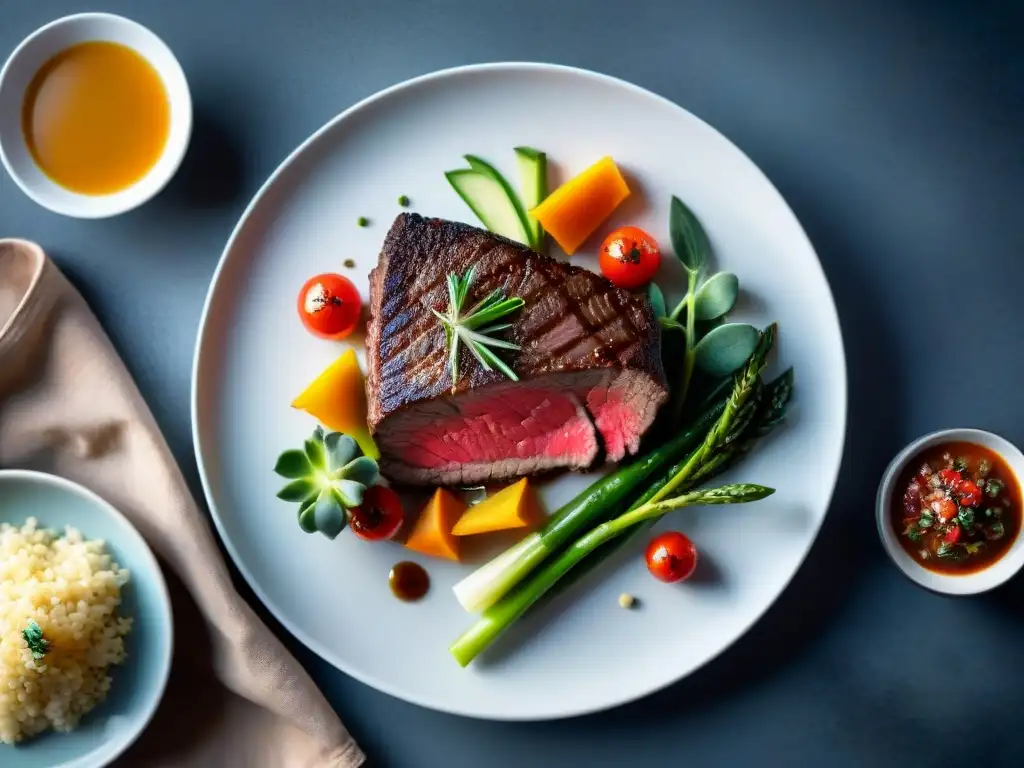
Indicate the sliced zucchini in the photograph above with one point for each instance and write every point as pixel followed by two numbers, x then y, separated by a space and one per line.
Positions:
pixel 482 166
pixel 533 180
pixel 491 201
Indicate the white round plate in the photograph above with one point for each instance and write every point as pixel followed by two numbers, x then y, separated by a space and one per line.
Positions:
pixel 580 652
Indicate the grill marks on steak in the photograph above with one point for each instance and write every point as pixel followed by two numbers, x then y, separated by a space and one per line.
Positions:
pixel 587 347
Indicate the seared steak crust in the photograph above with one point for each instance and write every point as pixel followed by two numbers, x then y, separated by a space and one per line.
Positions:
pixel 574 321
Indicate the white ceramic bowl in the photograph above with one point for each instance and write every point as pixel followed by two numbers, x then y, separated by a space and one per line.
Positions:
pixel 952 584
pixel 22 66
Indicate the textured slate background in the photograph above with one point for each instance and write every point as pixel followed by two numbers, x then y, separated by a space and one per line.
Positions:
pixel 894 130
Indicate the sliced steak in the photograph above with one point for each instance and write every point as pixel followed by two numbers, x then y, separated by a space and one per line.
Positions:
pixel 589 364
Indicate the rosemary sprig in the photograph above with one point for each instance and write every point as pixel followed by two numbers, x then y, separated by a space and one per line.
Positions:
pixel 476 327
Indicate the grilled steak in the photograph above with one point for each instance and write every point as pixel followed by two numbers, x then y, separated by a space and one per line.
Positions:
pixel 589 365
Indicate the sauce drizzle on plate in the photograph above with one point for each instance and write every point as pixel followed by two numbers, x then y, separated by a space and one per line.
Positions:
pixel 408 580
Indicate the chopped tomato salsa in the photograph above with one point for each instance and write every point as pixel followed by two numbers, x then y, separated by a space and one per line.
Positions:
pixel 957 508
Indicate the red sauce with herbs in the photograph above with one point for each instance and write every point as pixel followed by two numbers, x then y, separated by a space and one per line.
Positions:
pixel 957 508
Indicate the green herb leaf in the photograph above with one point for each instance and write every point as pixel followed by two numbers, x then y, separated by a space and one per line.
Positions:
pixel 657 299
pixel 993 513
pixel 912 533
pixel 726 348
pixel 960 464
pixel 717 296
pixel 298 490
pixel 994 487
pixel 965 517
pixel 973 547
pixel 292 464
pixel 984 467
pixel 995 531
pixel 689 240
pixel 948 551
pixel 927 520
pixel 37 644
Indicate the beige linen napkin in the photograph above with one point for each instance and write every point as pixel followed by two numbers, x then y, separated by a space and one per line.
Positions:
pixel 69 406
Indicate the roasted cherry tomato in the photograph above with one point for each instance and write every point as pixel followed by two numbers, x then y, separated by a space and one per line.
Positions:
pixel 379 516
pixel 629 257
pixel 329 306
pixel 945 509
pixel 969 492
pixel 952 535
pixel 671 557
pixel 949 477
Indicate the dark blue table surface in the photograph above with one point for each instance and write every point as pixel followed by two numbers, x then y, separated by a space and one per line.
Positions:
pixel 893 128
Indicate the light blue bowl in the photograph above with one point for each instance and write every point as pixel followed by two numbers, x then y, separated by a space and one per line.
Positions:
pixel 139 683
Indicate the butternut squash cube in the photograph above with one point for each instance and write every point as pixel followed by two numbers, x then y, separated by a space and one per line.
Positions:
pixel 337 399
pixel 513 507
pixel 576 209
pixel 432 534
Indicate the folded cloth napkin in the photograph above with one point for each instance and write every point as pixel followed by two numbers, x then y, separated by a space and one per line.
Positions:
pixel 69 406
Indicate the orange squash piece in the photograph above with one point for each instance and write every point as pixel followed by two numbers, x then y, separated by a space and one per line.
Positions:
pixel 337 399
pixel 573 211
pixel 513 507
pixel 432 534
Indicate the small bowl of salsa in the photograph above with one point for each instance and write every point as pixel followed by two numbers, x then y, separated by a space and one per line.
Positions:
pixel 95 115
pixel 949 511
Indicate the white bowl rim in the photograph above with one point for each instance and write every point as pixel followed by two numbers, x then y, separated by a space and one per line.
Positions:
pixel 976 582
pixel 45 478
pixel 137 193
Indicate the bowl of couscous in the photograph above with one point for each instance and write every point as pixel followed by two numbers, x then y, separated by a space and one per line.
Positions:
pixel 85 626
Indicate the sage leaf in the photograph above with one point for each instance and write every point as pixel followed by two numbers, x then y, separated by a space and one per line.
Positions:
pixel 726 348
pixel 689 240
pixel 717 296
pixel 297 490
pixel 292 464
pixel 657 299
pixel 340 449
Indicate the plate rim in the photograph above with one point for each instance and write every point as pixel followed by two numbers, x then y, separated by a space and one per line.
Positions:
pixel 283 167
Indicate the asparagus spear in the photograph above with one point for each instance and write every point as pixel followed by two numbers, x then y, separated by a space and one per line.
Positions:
pixel 671 495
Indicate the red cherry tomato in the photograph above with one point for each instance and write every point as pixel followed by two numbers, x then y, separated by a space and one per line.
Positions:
pixel 629 257
pixel 970 493
pixel 949 477
pixel 945 509
pixel 379 516
pixel 952 535
pixel 671 557
pixel 329 306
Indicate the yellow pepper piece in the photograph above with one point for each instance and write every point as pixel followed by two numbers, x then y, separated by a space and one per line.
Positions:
pixel 432 534
pixel 513 507
pixel 337 399
pixel 573 211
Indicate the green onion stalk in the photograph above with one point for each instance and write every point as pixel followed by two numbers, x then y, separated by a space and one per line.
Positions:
pixel 736 414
